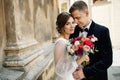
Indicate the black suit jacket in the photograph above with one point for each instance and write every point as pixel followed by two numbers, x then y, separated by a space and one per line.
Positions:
pixel 102 60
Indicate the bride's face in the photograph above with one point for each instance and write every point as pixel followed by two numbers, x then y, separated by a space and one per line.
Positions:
pixel 69 26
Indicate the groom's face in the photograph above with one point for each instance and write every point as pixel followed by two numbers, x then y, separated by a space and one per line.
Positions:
pixel 80 17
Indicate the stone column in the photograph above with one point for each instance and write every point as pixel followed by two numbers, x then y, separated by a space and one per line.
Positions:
pixel 54 17
pixel 2 33
pixel 20 33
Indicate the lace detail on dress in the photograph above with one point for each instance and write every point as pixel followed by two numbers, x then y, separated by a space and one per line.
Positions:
pixel 65 65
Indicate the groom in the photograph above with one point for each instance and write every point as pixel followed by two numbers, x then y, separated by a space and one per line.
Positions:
pixel 99 61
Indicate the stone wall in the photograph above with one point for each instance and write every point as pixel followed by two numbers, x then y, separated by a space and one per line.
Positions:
pixel 45 12
pixel 30 30
pixel 2 34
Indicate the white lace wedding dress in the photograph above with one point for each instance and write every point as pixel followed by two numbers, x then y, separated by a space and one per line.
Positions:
pixel 65 64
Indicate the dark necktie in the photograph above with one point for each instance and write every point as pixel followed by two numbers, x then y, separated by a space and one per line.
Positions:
pixel 86 30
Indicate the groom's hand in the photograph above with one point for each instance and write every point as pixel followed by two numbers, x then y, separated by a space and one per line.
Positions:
pixel 78 74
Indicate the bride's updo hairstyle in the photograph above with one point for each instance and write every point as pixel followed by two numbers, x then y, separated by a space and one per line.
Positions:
pixel 62 18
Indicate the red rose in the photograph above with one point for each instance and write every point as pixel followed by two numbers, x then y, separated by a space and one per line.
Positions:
pixel 89 43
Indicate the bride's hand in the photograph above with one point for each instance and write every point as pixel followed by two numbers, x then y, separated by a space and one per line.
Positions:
pixel 82 59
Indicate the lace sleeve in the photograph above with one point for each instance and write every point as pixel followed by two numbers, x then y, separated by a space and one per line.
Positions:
pixel 64 64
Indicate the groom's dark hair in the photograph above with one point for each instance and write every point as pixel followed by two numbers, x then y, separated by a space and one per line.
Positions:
pixel 78 5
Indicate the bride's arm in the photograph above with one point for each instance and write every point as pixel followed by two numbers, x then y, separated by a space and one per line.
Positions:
pixel 63 64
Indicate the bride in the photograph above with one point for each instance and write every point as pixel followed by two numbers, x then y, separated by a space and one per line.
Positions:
pixel 65 64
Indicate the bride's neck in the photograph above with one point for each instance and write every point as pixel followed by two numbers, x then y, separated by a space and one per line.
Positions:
pixel 66 36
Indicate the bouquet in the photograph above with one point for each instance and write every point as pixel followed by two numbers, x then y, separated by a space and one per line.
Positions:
pixel 80 46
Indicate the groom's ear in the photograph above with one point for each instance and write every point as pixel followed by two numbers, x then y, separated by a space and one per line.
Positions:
pixel 87 12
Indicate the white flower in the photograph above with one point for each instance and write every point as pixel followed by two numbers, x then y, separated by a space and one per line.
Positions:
pixel 76 43
pixel 68 48
pixel 94 38
pixel 72 51
pixel 86 48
